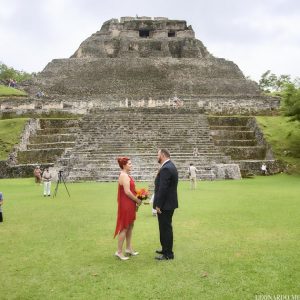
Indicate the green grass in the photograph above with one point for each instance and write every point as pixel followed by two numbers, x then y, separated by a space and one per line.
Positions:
pixel 284 137
pixel 233 240
pixel 9 91
pixel 10 131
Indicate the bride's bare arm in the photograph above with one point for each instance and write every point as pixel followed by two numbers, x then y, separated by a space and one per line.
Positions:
pixel 125 181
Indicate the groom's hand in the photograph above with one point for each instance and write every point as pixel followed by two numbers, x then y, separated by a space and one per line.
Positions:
pixel 158 210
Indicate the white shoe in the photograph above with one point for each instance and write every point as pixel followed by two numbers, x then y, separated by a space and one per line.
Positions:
pixel 121 256
pixel 133 253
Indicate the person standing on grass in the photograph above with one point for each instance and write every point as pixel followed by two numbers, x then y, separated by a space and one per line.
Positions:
pixel 165 202
pixel 264 169
pixel 1 203
pixel 37 175
pixel 47 182
pixel 127 206
pixel 193 176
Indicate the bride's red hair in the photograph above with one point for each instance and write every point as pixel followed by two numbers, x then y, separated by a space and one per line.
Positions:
pixel 122 161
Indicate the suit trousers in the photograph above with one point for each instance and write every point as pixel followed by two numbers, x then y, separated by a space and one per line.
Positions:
pixel 166 232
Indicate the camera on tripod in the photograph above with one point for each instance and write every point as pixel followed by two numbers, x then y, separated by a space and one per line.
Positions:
pixel 60 179
pixel 60 173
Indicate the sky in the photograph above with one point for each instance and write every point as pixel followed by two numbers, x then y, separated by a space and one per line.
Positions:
pixel 258 35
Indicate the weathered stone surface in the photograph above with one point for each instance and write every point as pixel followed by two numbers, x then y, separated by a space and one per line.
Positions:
pixel 141 59
pixel 138 78
pixel 19 171
pixel 136 37
pixel 253 167
pixel 228 171
pixel 139 133
pixel 242 140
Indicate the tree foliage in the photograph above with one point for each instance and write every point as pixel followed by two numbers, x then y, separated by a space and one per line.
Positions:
pixel 7 73
pixel 286 88
pixel 270 82
pixel 291 101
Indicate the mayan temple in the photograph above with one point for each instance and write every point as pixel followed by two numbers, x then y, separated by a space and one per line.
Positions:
pixel 142 59
pixel 136 85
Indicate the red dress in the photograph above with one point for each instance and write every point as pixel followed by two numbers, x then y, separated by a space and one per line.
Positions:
pixel 126 208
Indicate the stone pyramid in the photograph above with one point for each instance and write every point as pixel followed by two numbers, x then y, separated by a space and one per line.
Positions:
pixel 145 58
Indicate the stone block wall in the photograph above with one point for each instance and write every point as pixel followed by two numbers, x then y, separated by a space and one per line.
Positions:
pixel 67 106
pixel 19 171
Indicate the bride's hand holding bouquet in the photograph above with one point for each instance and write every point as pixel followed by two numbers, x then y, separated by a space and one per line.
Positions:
pixel 142 194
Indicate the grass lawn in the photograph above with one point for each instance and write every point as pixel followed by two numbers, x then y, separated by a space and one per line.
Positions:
pixel 9 91
pixel 233 240
pixel 10 131
pixel 284 136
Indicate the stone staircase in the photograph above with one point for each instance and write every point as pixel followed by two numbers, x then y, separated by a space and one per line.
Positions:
pixel 139 133
pixel 53 138
pixel 241 139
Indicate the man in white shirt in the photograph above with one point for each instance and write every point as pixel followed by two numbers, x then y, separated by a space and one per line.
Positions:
pixel 47 182
pixel 193 176
pixel 264 169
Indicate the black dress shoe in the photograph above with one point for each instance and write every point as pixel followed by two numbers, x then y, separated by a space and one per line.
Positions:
pixel 163 257
pixel 159 252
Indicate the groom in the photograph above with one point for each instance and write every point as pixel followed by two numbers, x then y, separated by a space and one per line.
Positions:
pixel 165 202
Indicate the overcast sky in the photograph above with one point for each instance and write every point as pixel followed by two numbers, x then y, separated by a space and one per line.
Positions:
pixel 257 35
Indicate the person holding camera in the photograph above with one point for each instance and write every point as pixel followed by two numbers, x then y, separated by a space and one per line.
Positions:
pixel 47 182
pixel 1 203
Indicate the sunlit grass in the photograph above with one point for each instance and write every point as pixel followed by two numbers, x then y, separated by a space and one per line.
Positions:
pixel 233 240
pixel 9 91
pixel 10 132
pixel 284 137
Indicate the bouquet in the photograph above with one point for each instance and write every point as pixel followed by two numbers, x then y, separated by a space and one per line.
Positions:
pixel 142 194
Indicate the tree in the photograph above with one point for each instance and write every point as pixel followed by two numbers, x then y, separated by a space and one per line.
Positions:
pixel 7 73
pixel 267 81
pixel 291 101
pixel 270 82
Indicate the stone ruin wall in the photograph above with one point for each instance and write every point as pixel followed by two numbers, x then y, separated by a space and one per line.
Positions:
pixel 166 38
pixel 212 105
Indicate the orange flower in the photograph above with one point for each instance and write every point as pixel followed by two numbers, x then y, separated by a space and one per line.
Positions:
pixel 142 194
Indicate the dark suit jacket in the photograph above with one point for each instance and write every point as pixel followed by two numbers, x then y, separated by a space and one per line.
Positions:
pixel 165 192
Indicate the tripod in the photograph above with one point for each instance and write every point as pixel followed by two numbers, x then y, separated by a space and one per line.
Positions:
pixel 59 180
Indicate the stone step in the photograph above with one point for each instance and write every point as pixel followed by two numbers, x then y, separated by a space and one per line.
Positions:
pixel 139 152
pixel 54 130
pixel 140 131
pixel 53 138
pixel 139 134
pixel 242 153
pixel 148 125
pixel 235 142
pixel 147 122
pixel 150 170
pixel 58 123
pixel 51 145
pixel 138 178
pixel 238 135
pixel 39 156
pixel 228 121
pixel 77 176
pixel 235 128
